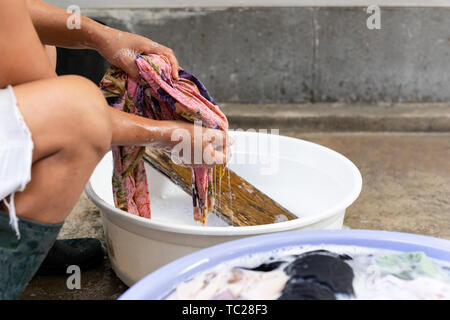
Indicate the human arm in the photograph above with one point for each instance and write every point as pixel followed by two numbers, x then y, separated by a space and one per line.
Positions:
pixel 209 146
pixel 118 47
pixel 23 57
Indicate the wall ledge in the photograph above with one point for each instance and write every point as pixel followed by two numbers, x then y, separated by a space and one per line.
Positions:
pixel 130 4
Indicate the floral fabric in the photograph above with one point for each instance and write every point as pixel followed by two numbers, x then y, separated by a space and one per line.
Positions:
pixel 162 98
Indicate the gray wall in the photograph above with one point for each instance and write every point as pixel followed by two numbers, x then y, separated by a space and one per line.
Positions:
pixel 298 55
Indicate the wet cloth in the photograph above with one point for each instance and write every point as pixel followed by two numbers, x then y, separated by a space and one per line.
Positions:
pixel 236 284
pixel 160 98
pixel 314 275
pixel 406 265
pixel 301 289
pixel 16 152
pixel 318 275
pixel 393 288
pixel 20 258
pixel 322 275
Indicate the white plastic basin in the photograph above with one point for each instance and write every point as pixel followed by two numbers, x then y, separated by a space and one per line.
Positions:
pixel 313 182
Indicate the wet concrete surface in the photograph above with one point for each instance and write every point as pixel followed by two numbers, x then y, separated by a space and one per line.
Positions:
pixel 406 188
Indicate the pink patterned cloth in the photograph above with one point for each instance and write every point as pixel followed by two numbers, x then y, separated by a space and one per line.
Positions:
pixel 161 98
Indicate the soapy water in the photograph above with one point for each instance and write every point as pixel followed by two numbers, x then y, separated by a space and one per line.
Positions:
pixel 303 190
pixel 370 281
pixel 171 205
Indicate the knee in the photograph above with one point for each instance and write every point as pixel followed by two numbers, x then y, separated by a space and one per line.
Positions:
pixel 93 118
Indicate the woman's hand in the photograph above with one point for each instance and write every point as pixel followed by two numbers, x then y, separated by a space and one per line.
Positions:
pixel 187 144
pixel 195 146
pixel 120 49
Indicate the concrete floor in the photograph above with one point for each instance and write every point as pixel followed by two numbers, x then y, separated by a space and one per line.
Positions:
pixel 405 188
pixel 405 180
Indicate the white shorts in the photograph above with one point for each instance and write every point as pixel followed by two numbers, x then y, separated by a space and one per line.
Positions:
pixel 16 151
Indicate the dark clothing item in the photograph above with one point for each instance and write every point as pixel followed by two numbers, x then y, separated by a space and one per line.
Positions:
pixel 21 258
pixel 266 267
pixel 325 252
pixel 87 253
pixel 316 274
pixel 300 289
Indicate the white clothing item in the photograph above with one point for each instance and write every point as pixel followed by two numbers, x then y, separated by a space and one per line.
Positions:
pixel 16 152
pixel 232 284
pixel 393 288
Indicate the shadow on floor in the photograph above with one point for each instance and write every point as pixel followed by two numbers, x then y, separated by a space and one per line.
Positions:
pixel 97 284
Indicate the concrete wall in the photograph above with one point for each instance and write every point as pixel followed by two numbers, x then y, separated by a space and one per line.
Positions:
pixel 303 54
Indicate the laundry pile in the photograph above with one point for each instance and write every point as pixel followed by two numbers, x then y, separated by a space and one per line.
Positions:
pixel 324 275
pixel 162 98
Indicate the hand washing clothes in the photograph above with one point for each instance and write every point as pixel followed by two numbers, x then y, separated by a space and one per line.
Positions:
pixel 162 98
